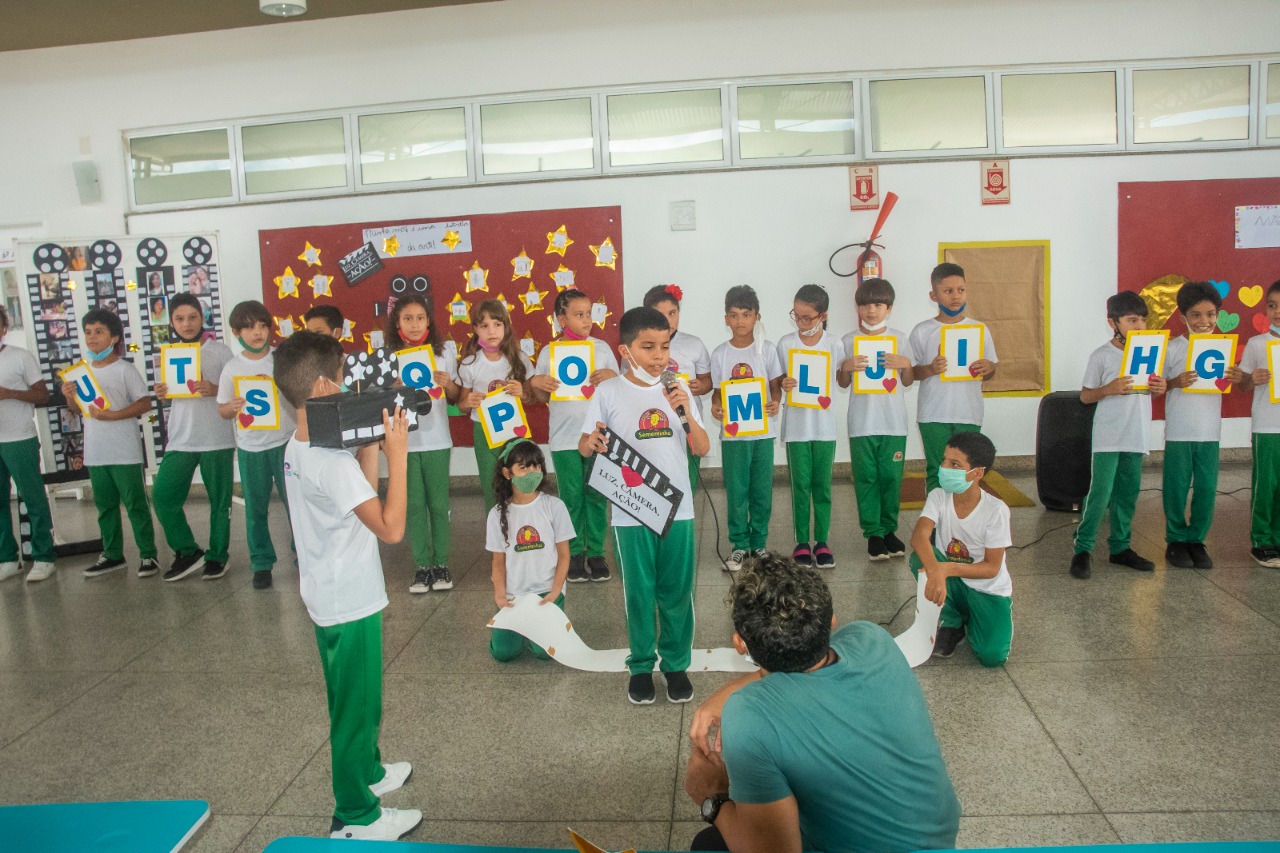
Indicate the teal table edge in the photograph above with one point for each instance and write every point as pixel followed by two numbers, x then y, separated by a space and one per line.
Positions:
pixel 136 826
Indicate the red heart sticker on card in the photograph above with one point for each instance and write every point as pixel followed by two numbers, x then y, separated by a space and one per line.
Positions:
pixel 731 428
pixel 1222 383
pixel 191 385
pixel 1260 322
pixel 99 402
pixel 588 390
pixel 973 370
pixel 890 384
pixel 631 478
pixel 245 419
pixel 824 402
pixel 1150 378
pixel 521 431
pixel 436 392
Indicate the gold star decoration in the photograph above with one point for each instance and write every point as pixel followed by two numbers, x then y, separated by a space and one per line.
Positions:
pixel 284 326
pixel 451 239
pixel 459 310
pixel 556 329
pixel 391 245
pixel 521 266
pixel 502 299
pixel 563 278
pixel 321 285
pixel 311 255
pixel 532 299
pixel 130 285
pixel 529 345
pixel 600 312
pixel 348 331
pixel 374 340
pixel 133 347
pixel 477 278
pixel 606 255
pixel 558 240
pixel 288 283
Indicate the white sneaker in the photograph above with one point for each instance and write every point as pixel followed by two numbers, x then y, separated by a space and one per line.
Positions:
pixel 393 825
pixel 734 563
pixel 397 775
pixel 10 570
pixel 40 571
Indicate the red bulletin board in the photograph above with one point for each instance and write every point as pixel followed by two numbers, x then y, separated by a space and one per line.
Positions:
pixel 1187 228
pixel 496 239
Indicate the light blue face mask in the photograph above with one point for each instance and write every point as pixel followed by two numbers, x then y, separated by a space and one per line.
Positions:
pixel 954 481
pixel 1275 330
pixel 956 313
pixel 99 356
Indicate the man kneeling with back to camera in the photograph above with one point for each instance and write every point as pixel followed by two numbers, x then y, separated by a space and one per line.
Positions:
pixel 829 746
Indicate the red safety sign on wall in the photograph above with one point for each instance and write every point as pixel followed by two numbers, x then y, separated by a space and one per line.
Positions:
pixel 864 187
pixel 995 181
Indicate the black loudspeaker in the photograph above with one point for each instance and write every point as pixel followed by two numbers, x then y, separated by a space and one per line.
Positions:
pixel 1064 450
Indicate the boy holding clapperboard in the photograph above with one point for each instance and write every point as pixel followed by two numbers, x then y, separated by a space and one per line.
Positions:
pixel 1258 368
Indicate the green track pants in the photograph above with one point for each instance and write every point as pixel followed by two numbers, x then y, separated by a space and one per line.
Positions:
pixel 1265 530
pixel 809 466
pixel 20 463
pixel 987 619
pixel 427 519
pixel 878 462
pixel 657 574
pixel 1116 480
pixel 588 509
pixel 169 492
pixel 1190 468
pixel 260 470
pixel 934 436
pixel 112 486
pixel 748 484
pixel 506 646
pixel 486 464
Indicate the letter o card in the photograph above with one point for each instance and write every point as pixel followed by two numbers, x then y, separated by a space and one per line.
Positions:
pixel 180 369
pixel 571 364
pixel 1144 356
pixel 417 367
pixel 502 418
pixel 744 413
pixel 875 378
pixel 261 408
pixel 88 390
pixel 811 369
pixel 1210 356
pixel 962 344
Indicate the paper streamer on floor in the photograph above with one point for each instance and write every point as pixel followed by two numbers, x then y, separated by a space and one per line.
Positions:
pixel 549 627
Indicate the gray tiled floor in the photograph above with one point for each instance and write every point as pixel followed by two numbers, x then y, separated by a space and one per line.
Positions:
pixel 1134 707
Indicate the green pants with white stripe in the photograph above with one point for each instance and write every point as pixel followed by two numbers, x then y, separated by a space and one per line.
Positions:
pixel 1265 530
pixel 112 486
pixel 748 485
pixel 505 646
pixel 1117 477
pixel 20 462
pixel 486 464
pixel 935 436
pixel 1190 467
pixel 169 492
pixel 351 657
pixel 809 466
pixel 986 618
pixel 878 462
pixel 427 518
pixel 588 509
pixel 657 573
pixel 260 470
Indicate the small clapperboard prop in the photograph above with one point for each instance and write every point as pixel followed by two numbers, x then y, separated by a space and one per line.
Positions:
pixel 1144 353
pixel 572 363
pixel 744 407
pixel 261 409
pixel 352 420
pixel 180 367
pixel 360 264
pixel 88 390
pixel 961 345
pixel 634 485
pixel 811 369
pixel 876 378
pixel 502 418
pixel 363 371
pixel 1210 356
pixel 417 367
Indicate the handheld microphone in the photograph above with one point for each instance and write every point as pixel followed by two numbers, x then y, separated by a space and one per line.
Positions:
pixel 669 380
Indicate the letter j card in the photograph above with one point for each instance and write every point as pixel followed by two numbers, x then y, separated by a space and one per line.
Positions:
pixel 261 408
pixel 180 369
pixel 1144 353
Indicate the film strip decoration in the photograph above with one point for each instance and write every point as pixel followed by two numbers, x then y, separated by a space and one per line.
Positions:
pixel 57 346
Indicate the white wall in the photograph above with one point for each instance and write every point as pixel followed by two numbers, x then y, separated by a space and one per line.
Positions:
pixel 773 229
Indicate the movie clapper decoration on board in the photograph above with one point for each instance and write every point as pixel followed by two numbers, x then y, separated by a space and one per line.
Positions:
pixel 633 484
pixel 354 418
pixel 360 264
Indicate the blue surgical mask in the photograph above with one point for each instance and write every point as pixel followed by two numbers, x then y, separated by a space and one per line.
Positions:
pixel 1275 330
pixel 953 480
pixel 956 313
pixel 527 482
pixel 99 356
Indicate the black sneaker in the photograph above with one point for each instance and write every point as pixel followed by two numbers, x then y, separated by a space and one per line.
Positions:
pixel 1199 556
pixel 1129 558
pixel 599 569
pixel 1081 565
pixel 877 549
pixel 104 565
pixel 185 564
pixel 944 646
pixel 895 546
pixel 421 581
pixel 262 580
pixel 801 555
pixel 148 567
pixel 578 569
pixel 1176 554
pixel 441 580
pixel 679 688
pixel 822 556
pixel 213 570
pixel 1267 557
pixel 640 689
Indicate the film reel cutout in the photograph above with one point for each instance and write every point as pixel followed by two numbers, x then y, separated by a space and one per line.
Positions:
pixel 419 284
pixel 50 257
pixel 377 369
pixel 152 252
pixel 197 251
pixel 105 256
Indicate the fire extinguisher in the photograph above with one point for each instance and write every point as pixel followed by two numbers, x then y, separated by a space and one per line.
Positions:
pixel 869 262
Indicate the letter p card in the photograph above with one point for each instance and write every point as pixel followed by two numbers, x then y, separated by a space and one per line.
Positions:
pixel 180 369
pixel 261 409
pixel 502 418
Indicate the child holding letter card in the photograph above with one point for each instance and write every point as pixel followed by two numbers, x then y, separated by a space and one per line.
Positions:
pixel 1260 372
pixel 180 368
pixel 1144 352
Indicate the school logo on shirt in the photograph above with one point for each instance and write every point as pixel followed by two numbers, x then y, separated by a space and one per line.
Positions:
pixel 654 424
pixel 527 539
pixel 957 552
pixel 495 384
pixel 288 470
pixel 741 370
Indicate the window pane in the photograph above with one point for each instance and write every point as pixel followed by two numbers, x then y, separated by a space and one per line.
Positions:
pixel 180 167
pixel 1059 109
pixel 413 146
pixel 296 155
pixel 1272 116
pixel 1191 104
pixel 665 127
pixel 536 136
pixel 805 120
pixel 932 114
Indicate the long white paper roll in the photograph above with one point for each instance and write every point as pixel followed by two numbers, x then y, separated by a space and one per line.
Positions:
pixel 916 642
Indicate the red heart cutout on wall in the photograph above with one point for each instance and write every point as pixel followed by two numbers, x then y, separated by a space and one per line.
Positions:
pixel 435 392
pixel 588 390
pixel 890 384
pixel 631 478
pixel 191 385
pixel 1222 383
pixel 1260 322
pixel 731 428
pixel 521 431
pixel 245 419
pixel 824 402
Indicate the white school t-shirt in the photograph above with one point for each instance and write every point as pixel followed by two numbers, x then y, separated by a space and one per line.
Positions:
pixel 255 440
pixel 946 402
pixel 534 529
pixel 478 373
pixel 194 424
pixel 1266 414
pixel 1188 417
pixel 115 442
pixel 876 414
pixel 18 372
pixel 433 430
pixel 689 356
pixel 966 540
pixel 339 570
pixel 799 423
pixel 565 420
pixel 644 419
pixel 730 362
pixel 1121 423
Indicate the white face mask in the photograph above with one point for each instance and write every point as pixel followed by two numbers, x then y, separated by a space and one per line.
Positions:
pixel 816 330
pixel 875 330
pixel 643 375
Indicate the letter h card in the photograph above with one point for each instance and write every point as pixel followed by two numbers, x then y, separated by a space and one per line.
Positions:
pixel 1143 358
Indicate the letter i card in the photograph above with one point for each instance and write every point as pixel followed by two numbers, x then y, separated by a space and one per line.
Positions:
pixel 180 369
pixel 1143 358
pixel 261 408
pixel 961 345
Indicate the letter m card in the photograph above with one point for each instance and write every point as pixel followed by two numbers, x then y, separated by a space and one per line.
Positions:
pixel 180 369
pixel 261 408
pixel 1144 353
pixel 502 418
pixel 961 345
pixel 744 407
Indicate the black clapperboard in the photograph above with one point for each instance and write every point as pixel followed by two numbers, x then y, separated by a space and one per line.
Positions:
pixel 363 371
pixel 360 264
pixel 635 485
pixel 353 420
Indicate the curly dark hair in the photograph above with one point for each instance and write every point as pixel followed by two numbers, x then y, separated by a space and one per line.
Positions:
pixel 394 341
pixel 782 611
pixel 519 451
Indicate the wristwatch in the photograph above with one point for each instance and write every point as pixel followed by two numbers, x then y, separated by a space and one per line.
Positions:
pixel 711 807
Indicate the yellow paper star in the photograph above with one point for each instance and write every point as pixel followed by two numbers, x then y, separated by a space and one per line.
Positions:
pixel 502 299
pixel 133 347
pixel 532 299
pixel 477 277
pixel 529 344
pixel 558 240
pixel 311 255
pixel 563 277
pixel 391 245
pixel 556 329
pixel 451 239
pixel 320 285
pixel 288 283
pixel 606 255
pixel 369 341
pixel 348 331
pixel 284 326
pixel 130 285
pixel 459 310
pixel 521 266
pixel 600 312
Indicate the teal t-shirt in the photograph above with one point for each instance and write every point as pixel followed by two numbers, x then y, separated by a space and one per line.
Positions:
pixel 852 742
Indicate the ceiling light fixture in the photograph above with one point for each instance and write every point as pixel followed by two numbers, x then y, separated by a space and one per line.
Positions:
pixel 283 8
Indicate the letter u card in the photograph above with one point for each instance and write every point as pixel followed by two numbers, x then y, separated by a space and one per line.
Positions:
pixel 1210 356
pixel 261 408
pixel 1143 358
pixel 812 371
pixel 88 390
pixel 571 364
pixel 875 378
pixel 180 367
pixel 417 370
pixel 961 345
pixel 502 418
